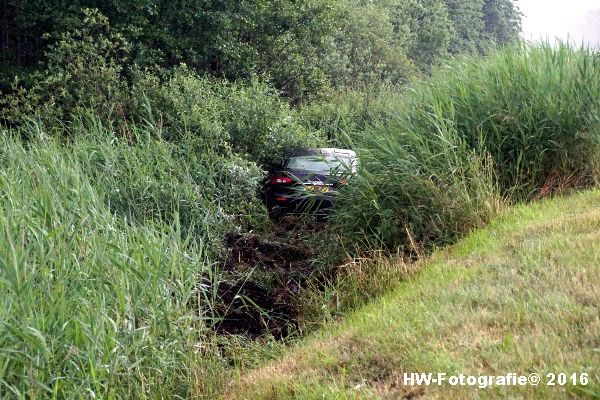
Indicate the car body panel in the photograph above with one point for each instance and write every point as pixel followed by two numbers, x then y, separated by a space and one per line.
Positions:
pixel 309 191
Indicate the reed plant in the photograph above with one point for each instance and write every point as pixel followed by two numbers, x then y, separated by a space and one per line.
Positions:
pixel 96 304
pixel 509 127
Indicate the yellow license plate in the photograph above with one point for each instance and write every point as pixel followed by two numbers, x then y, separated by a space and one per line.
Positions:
pixel 317 188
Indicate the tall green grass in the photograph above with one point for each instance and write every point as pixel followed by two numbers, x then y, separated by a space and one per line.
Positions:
pixel 504 127
pixel 111 231
pixel 535 110
pixel 96 304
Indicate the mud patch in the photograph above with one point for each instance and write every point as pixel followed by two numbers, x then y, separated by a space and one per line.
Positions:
pixel 262 276
pixel 251 251
pixel 251 309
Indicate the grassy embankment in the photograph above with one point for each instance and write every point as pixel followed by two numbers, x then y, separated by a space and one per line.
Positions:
pixel 521 295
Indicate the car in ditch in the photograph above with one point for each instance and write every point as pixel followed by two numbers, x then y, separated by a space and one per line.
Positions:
pixel 308 181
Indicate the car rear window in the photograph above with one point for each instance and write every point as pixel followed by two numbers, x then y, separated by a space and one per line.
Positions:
pixel 319 163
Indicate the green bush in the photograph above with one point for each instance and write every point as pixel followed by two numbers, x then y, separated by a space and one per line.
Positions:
pixel 249 119
pixel 81 73
pixel 181 106
pixel 262 125
pixel 350 112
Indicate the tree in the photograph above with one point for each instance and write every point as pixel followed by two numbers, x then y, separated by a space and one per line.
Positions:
pixel 502 21
pixel 367 48
pixel 467 20
pixel 301 46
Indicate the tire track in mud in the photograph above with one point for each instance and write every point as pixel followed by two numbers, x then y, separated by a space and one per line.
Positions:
pixel 267 272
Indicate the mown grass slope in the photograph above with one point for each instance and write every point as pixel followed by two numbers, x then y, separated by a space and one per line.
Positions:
pixel 522 295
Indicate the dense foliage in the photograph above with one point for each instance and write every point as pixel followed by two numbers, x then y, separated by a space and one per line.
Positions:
pixel 92 305
pixel 302 46
pixel 117 222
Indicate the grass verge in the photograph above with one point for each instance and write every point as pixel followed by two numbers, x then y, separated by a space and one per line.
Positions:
pixel 521 295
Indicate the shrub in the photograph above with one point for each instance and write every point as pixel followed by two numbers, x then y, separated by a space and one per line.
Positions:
pixel 249 119
pixel 85 74
pixel 350 112
pixel 262 125
pixel 81 73
pixel 182 106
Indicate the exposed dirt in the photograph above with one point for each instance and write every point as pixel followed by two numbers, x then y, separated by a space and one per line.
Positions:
pixel 251 309
pixel 265 274
pixel 250 251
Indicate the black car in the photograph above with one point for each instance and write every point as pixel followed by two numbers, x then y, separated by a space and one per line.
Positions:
pixel 308 181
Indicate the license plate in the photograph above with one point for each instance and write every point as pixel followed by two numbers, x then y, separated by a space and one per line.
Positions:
pixel 317 188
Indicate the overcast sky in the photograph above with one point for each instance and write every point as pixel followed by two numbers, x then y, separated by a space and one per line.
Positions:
pixel 577 19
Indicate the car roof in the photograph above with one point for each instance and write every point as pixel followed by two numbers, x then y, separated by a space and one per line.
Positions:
pixel 323 151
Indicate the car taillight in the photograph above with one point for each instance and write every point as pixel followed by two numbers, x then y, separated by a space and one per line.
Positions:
pixel 281 180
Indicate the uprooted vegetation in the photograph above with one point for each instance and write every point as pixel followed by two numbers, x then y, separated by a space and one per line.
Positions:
pixel 269 271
